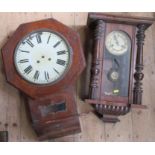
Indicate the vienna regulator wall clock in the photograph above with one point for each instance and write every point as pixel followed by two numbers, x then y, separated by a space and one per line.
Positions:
pixel 116 44
pixel 43 59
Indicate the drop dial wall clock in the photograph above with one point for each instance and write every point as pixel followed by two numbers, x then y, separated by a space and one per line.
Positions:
pixel 43 59
pixel 116 44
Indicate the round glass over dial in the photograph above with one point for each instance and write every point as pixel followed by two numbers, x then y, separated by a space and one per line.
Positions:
pixel 42 57
pixel 117 42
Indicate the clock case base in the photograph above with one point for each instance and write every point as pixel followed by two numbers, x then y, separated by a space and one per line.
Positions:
pixel 54 116
pixel 109 112
pixel 109 108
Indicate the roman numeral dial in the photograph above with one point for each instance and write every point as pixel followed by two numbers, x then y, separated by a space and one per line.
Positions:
pixel 42 57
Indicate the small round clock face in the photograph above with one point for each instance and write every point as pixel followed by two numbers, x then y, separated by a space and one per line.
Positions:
pixel 42 57
pixel 114 75
pixel 117 42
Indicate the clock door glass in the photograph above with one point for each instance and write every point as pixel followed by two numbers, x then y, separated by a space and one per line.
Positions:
pixel 117 64
pixel 42 57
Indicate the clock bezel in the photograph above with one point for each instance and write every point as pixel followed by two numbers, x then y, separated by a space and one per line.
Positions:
pixel 68 65
pixel 35 91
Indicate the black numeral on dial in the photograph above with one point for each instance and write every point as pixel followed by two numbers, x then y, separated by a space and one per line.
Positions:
pixel 57 44
pixel 36 75
pixel 24 51
pixel 61 62
pixel 28 69
pixel 30 43
pixel 61 52
pixel 24 61
pixel 38 37
pixel 56 71
pixel 48 38
pixel 46 75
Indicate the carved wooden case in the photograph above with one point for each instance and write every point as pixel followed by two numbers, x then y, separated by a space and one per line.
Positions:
pixel 52 108
pixel 110 106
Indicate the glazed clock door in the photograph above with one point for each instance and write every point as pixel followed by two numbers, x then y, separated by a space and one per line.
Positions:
pixel 116 64
pixel 42 57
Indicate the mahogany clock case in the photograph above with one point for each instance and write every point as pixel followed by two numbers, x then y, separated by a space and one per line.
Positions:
pixel 52 107
pixel 111 106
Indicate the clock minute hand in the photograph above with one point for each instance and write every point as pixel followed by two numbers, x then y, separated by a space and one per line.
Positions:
pixel 116 40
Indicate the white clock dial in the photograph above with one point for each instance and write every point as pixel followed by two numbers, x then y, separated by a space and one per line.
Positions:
pixel 117 42
pixel 42 57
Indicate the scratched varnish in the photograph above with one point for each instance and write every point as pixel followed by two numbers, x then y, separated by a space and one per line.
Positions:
pixel 138 125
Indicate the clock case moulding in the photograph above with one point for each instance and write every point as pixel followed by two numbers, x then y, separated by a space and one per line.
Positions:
pixel 44 102
pixel 108 108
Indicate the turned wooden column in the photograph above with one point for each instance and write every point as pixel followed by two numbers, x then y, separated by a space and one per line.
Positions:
pixel 97 53
pixel 138 90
